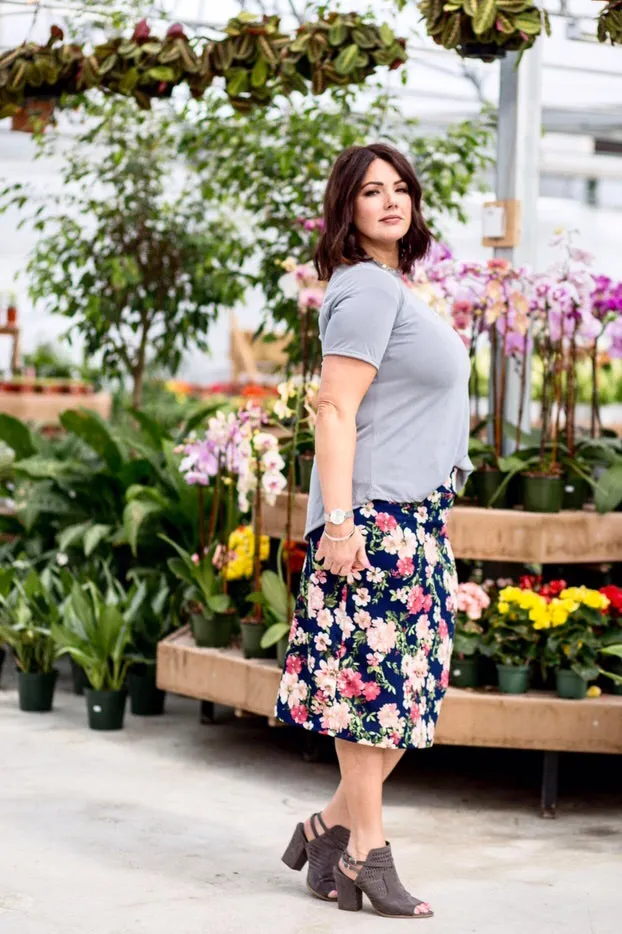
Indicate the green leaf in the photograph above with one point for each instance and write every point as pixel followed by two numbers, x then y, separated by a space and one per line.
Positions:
pixel 346 60
pixel 153 432
pixel 485 16
pixel 72 535
pixel 275 593
pixel 218 603
pixel 180 569
pixel 608 490
pixel 17 435
pixel 94 536
pixel 94 431
pixel 161 73
pixel 615 650
pixel 135 514
pixel 260 72
pixel 274 634
pixel 387 35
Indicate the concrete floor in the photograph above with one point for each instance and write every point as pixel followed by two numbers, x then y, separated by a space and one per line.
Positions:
pixel 170 826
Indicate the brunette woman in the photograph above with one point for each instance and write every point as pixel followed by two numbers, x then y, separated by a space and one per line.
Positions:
pixel 370 644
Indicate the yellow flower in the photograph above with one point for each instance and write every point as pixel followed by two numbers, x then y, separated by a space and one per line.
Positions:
pixel 503 607
pixel 591 598
pixel 594 691
pixel 510 593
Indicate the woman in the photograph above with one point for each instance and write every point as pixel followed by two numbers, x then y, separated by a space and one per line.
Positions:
pixel 368 659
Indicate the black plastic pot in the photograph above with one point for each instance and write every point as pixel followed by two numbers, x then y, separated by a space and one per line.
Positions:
pixel 213 631
pixel 106 709
pixel 576 492
pixel 79 678
pixel 486 483
pixel 305 466
pixel 146 698
pixel 542 494
pixel 251 638
pixel 464 672
pixel 36 690
pixel 486 51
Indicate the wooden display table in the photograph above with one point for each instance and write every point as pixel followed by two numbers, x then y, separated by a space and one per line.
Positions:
pixel 537 720
pixel 47 407
pixel 578 537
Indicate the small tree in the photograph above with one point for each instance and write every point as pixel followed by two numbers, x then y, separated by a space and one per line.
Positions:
pixel 130 250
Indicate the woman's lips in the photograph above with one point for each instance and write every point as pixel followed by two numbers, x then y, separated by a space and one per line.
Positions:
pixel 391 220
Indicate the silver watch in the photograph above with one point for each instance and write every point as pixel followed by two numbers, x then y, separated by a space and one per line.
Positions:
pixel 338 516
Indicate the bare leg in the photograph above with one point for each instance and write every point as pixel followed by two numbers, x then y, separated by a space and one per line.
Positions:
pixel 336 811
pixel 362 771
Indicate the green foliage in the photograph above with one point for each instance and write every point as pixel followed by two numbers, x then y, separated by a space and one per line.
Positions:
pixel 506 25
pixel 96 632
pixel 273 166
pixel 98 491
pixel 255 59
pixel 610 23
pixel 131 254
pixel 204 585
pixel 29 607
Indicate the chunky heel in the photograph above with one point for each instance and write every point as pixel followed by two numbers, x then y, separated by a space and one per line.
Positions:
pixel 295 856
pixel 349 897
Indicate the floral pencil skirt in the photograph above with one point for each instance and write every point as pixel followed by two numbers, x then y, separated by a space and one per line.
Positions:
pixel 368 656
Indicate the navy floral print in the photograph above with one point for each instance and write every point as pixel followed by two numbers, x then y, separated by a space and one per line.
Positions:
pixel 368 656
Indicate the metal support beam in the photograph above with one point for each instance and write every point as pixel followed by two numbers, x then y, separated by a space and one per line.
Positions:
pixel 550 776
pixel 518 153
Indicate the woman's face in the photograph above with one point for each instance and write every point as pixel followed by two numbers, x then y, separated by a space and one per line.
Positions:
pixel 383 206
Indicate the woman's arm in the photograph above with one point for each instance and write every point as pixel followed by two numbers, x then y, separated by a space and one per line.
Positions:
pixel 344 382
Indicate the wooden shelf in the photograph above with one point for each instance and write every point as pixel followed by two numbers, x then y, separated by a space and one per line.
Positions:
pixel 537 720
pixel 578 537
pixel 46 407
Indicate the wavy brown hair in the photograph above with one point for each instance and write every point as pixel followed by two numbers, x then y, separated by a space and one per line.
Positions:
pixel 339 242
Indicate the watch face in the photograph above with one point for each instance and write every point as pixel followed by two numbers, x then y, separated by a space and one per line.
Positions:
pixel 337 516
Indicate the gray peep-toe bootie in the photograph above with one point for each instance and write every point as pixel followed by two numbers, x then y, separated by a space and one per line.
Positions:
pixel 322 853
pixel 378 879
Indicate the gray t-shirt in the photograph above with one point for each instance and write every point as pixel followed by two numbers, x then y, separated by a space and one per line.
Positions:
pixel 412 427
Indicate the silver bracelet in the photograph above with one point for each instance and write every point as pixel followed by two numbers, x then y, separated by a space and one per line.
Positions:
pixel 344 538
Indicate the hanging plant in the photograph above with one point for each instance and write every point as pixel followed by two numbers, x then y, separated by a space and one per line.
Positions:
pixel 485 29
pixel 610 23
pixel 255 59
pixel 338 50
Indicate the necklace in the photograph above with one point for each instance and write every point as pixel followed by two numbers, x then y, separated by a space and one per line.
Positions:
pixel 387 267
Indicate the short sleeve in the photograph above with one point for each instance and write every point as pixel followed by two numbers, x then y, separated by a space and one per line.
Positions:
pixel 362 314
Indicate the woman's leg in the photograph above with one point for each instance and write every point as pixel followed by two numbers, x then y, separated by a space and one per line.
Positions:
pixel 336 811
pixel 362 776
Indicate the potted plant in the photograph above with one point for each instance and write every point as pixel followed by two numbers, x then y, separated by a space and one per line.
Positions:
pixel 212 611
pixel 512 637
pixel 471 601
pixel 97 635
pixel 148 611
pixel 484 30
pixel 28 608
pixel 571 645
pixel 278 608
pixel 262 475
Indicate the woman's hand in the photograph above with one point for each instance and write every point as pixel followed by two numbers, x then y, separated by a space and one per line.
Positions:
pixel 342 558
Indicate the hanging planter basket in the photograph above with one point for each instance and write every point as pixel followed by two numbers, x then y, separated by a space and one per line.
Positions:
pixel 484 29
pixel 485 51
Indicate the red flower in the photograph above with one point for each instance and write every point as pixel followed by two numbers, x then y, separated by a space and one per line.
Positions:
pixel 418 600
pixel 530 581
pixel 295 554
pixel 141 31
pixel 349 683
pixel 445 678
pixel 299 714
pixel 405 567
pixel 293 664
pixel 176 31
pixel 371 690
pixel 614 594
pixel 415 713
